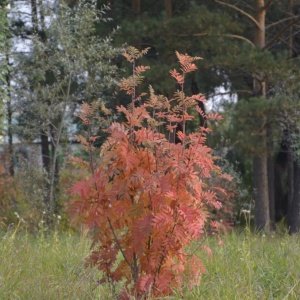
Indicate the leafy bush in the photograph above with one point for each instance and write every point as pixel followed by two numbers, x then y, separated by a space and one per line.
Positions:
pixel 30 184
pixel 148 197
pixel 22 197
pixel 7 195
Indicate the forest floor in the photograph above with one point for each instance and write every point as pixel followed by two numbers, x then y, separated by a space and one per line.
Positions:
pixel 247 266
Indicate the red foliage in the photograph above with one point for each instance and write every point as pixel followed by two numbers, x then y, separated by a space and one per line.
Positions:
pixel 147 199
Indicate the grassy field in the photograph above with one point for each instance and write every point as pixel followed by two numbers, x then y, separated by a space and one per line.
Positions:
pixel 247 266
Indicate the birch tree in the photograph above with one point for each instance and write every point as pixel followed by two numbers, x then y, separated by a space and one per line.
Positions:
pixel 69 64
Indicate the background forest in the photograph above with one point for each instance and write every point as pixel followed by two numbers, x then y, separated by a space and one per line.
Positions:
pixel 55 57
pixel 74 120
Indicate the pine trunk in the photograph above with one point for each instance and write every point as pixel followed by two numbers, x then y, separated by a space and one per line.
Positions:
pixel 260 161
pixel 261 190
pixel 291 30
pixel 136 7
pixel 291 187
pixel 294 209
pixel 168 8
pixel 271 190
pixel 293 216
pixel 261 196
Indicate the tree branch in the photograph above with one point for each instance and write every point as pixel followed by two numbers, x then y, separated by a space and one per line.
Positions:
pixel 55 154
pixel 235 36
pixel 119 246
pixel 251 18
pixel 268 4
pixel 271 43
pixel 281 21
pixel 239 37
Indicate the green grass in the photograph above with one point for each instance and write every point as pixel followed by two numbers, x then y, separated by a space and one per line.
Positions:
pixel 47 268
pixel 250 267
pixel 247 266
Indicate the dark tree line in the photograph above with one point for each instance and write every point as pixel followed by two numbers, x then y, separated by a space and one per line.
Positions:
pixel 251 53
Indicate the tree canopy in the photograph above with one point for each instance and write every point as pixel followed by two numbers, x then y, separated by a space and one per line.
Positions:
pixel 250 68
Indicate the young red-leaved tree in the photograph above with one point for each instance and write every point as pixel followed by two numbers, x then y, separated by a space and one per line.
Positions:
pixel 147 197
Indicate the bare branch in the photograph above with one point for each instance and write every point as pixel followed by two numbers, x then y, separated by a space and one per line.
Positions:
pixel 251 18
pixel 119 245
pixel 268 4
pixel 239 37
pixel 52 124
pixel 278 36
pixel 235 36
pixel 281 21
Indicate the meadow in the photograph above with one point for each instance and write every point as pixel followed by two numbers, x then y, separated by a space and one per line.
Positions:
pixel 247 266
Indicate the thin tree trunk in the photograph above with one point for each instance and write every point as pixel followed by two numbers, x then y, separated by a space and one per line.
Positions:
pixel 56 134
pixel 271 187
pixel 291 187
pixel 44 135
pixel 54 166
pixel 291 39
pixel 168 8
pixel 294 216
pixel 111 12
pixel 54 170
pixel 9 109
pixel 34 16
pixel 9 121
pixel 136 7
pixel 42 31
pixel 42 15
pixel 261 196
pixel 260 161
pixel 45 150
pixel 10 139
